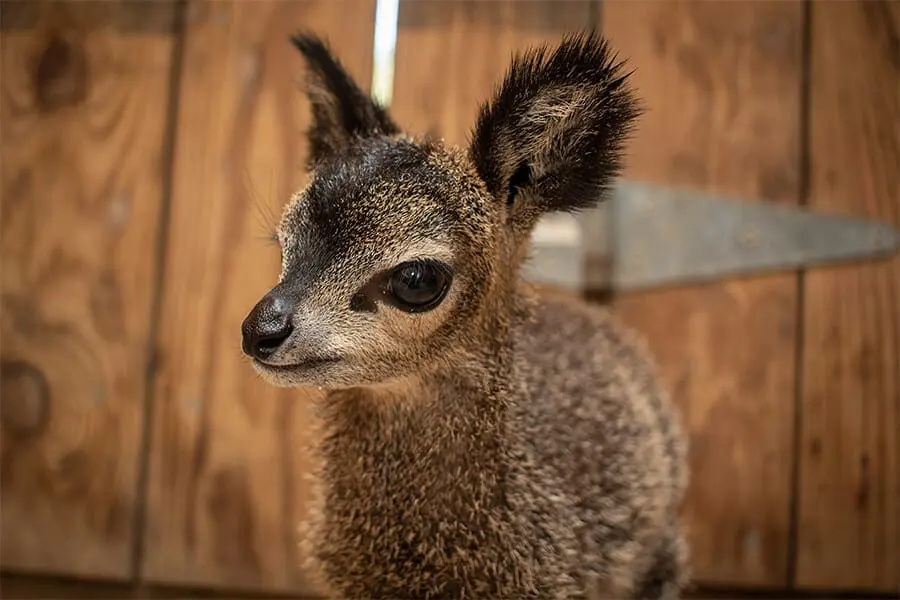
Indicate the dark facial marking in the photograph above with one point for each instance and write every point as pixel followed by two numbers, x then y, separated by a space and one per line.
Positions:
pixel 363 302
pixel 372 187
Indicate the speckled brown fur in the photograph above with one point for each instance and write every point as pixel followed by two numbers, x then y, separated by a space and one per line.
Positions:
pixel 506 443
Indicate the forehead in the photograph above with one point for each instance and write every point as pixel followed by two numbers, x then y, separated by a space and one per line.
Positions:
pixel 386 192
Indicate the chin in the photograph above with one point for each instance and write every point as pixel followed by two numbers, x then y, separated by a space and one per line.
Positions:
pixel 328 375
pixel 317 374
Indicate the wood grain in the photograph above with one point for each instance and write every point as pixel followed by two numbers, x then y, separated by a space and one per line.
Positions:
pixel 30 587
pixel 83 110
pixel 721 82
pixel 25 587
pixel 226 492
pixel 849 511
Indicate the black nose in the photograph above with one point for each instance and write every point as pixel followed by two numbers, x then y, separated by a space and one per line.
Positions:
pixel 267 326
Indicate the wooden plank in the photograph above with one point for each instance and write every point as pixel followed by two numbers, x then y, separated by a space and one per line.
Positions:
pixel 30 587
pixel 83 108
pixel 451 55
pixel 22 587
pixel 26 587
pixel 721 82
pixel 849 511
pixel 227 465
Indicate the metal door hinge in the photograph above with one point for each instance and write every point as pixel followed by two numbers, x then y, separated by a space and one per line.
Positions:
pixel 650 236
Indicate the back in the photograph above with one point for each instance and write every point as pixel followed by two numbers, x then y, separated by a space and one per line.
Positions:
pixel 590 409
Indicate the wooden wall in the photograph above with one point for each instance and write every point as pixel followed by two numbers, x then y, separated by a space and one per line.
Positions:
pixel 147 147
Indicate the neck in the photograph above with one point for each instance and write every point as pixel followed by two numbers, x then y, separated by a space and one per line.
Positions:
pixel 404 458
pixel 420 412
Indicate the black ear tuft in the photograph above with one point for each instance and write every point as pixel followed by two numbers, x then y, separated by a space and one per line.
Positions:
pixel 341 110
pixel 557 125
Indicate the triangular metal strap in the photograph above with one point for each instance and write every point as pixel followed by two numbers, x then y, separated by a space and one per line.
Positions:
pixel 649 236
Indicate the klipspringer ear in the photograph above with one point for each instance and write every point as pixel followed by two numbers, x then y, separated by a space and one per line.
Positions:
pixel 341 110
pixel 551 138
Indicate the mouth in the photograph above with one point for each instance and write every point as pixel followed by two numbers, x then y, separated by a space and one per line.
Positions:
pixel 305 365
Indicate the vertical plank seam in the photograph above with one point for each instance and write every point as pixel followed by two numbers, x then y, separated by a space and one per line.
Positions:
pixel 605 296
pixel 178 32
pixel 805 166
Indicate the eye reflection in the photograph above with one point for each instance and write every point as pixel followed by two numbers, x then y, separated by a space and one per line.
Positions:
pixel 418 285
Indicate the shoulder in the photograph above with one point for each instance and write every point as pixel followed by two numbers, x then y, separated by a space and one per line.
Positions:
pixel 562 318
pixel 570 341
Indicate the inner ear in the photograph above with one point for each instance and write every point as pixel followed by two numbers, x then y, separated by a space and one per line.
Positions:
pixel 556 126
pixel 521 178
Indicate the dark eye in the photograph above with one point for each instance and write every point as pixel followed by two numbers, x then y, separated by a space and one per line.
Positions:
pixel 418 285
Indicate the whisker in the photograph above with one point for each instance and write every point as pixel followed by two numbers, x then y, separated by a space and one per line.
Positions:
pixel 264 214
